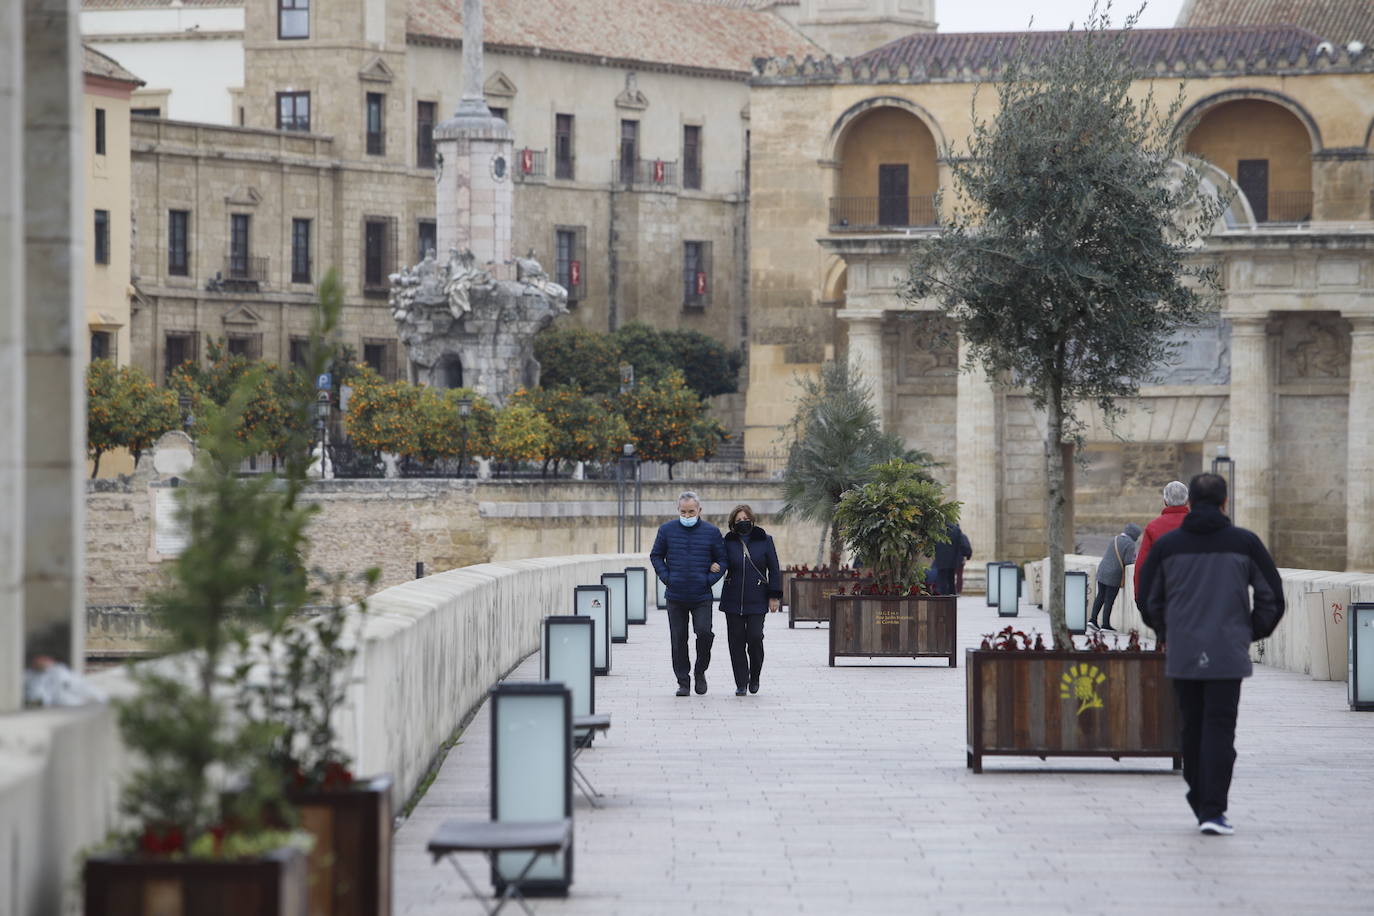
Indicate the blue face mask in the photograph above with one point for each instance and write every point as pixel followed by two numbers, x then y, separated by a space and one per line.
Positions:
pixel 687 522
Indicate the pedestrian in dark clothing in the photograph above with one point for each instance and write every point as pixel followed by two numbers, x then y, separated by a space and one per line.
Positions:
pixel 965 553
pixel 947 558
pixel 1195 586
pixel 1175 508
pixel 684 554
pixel 753 587
pixel 1111 572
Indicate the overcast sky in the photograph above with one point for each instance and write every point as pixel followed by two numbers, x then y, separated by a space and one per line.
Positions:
pixel 1013 15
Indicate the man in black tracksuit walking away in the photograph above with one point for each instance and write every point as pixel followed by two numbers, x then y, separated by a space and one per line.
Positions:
pixel 683 553
pixel 1194 595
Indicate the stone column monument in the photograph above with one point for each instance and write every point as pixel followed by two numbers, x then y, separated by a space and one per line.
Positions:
pixel 470 319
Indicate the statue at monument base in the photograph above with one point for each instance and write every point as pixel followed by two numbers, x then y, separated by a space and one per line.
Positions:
pixel 464 327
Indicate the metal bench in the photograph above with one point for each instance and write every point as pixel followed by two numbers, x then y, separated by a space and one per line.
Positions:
pixel 592 725
pixel 491 838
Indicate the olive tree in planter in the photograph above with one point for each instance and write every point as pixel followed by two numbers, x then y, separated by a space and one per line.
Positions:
pixel 1066 259
pixel 892 524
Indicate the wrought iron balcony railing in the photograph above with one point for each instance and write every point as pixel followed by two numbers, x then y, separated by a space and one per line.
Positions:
pixel 531 165
pixel 244 272
pixel 648 174
pixel 860 213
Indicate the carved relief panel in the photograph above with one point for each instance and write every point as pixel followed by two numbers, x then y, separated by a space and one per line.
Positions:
pixel 1314 347
pixel 926 348
pixel 1202 356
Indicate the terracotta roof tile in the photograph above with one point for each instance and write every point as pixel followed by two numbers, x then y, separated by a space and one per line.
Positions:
pixel 687 33
pixel 95 63
pixel 1339 21
pixel 953 51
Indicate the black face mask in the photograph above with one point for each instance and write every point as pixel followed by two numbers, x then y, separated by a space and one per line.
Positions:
pixel 743 527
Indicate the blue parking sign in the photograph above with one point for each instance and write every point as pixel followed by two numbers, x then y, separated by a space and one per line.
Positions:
pixel 323 382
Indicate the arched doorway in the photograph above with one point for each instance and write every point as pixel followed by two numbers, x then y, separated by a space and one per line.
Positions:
pixel 889 172
pixel 1266 150
pixel 449 372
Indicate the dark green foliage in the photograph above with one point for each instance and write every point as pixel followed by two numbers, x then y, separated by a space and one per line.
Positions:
pixel 590 361
pixel 836 441
pixel 1066 260
pixel 893 521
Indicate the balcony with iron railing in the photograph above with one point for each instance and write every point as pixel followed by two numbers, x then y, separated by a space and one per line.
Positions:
pixel 376 143
pixel 243 272
pixel 853 214
pixel 645 174
pixel 1283 207
pixel 531 165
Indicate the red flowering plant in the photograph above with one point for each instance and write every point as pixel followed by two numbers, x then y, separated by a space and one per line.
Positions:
pixel 1010 639
pixel 892 523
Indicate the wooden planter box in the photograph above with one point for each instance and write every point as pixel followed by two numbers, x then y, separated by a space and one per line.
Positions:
pixel 809 598
pixel 350 866
pixel 1069 704
pixel 872 626
pixel 274 885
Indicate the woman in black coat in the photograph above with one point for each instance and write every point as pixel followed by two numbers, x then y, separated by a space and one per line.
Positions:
pixel 753 587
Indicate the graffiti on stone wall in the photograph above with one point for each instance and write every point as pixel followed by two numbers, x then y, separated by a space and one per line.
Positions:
pixel 1201 356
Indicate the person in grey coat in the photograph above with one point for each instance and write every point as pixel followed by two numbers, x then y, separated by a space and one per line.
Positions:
pixel 1111 572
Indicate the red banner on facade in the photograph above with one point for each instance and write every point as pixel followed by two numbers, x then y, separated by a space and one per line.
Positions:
pixel 574 273
pixel 658 171
pixel 527 160
pixel 701 283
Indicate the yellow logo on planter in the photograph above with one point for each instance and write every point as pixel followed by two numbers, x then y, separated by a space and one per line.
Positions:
pixel 1080 683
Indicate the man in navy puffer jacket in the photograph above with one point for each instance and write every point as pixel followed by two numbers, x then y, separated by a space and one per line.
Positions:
pixel 684 552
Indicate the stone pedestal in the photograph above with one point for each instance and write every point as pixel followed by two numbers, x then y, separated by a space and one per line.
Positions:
pixel 866 353
pixel 1252 422
pixel 1359 474
pixel 978 444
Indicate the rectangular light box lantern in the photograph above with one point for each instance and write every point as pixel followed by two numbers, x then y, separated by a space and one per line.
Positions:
pixel 569 659
pixel 992 581
pixel 594 601
pixel 636 594
pixel 1076 601
pixel 1359 658
pixel 660 595
pixel 615 584
pixel 718 589
pixel 1008 589
pixel 531 775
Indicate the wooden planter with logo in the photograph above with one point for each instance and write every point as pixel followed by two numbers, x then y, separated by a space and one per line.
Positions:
pixel 875 626
pixel 1069 704
pixel 809 598
pixel 272 885
pixel 350 865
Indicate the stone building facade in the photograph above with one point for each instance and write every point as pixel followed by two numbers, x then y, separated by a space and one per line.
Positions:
pixel 848 158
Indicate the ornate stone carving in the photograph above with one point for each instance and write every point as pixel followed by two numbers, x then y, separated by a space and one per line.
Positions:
pixel 1314 347
pixel 458 311
pixel 1202 356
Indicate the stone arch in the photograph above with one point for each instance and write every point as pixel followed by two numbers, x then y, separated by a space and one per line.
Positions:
pixel 836 280
pixel 1194 114
pixel 834 141
pixel 888 168
pixel 448 371
pixel 1265 143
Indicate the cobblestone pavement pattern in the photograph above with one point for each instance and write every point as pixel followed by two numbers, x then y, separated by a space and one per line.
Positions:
pixel 844 790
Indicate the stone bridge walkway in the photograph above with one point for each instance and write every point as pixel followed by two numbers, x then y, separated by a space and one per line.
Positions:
pixel 844 790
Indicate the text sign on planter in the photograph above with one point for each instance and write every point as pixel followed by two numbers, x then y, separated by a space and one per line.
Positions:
pixel 594 601
pixel 1360 656
pixel 615 584
pixel 1076 601
pixel 871 626
pixel 531 774
pixel 636 594
pixel 1008 589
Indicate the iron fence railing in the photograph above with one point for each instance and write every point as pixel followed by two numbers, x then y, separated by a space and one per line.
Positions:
pixel 531 164
pixel 244 270
pixel 644 173
pixel 351 463
pixel 1286 207
pixel 882 212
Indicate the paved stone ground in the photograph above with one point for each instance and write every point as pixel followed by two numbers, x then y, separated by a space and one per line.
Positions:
pixel 844 790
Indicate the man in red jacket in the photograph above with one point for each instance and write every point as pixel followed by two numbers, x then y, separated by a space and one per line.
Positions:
pixel 1175 510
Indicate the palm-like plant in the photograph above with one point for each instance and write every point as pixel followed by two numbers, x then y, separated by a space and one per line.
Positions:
pixel 893 522
pixel 836 441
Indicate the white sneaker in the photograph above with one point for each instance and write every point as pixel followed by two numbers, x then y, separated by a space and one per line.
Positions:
pixel 1217 826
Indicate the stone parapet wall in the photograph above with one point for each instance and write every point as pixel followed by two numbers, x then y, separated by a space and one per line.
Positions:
pixel 445 524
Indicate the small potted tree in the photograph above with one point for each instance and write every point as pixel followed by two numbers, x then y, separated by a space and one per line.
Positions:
pixel 891 525
pixel 182 853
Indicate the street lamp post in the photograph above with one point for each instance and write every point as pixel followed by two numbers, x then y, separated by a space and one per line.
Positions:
pixel 628 467
pixel 1223 465
pixel 188 421
pixel 322 428
pixel 464 412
